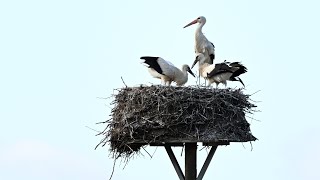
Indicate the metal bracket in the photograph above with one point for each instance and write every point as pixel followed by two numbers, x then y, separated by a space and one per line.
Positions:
pixel 174 162
pixel 207 162
pixel 190 161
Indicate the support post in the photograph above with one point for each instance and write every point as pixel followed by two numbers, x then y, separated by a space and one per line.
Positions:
pixel 207 162
pixel 174 162
pixel 190 161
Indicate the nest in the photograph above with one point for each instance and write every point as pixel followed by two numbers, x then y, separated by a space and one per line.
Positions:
pixel 144 115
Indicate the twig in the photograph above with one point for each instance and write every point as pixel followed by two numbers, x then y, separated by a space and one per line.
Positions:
pixel 123 82
pixel 243 145
pixel 255 92
pixel 182 150
pixel 253 118
pixel 147 152
pixel 154 151
pixel 93 129
pixel 104 97
pixel 114 163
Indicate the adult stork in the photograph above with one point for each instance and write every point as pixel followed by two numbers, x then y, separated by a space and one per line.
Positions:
pixel 202 44
pixel 166 71
pixel 221 72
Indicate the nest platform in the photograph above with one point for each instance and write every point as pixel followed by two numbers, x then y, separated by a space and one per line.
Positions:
pixel 158 115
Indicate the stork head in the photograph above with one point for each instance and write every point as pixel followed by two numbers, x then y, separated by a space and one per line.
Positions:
pixel 200 20
pixel 186 68
pixel 199 58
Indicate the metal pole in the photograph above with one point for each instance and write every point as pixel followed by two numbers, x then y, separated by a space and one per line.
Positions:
pixel 174 162
pixel 191 161
pixel 207 162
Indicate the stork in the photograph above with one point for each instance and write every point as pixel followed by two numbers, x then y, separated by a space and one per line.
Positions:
pixel 166 71
pixel 221 72
pixel 202 44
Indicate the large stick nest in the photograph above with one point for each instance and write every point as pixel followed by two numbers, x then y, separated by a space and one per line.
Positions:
pixel 143 115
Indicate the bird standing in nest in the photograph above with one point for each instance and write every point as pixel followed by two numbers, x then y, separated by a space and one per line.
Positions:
pixel 166 71
pixel 202 44
pixel 221 72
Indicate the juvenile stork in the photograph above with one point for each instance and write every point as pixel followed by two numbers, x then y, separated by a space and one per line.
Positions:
pixel 166 71
pixel 221 72
pixel 202 44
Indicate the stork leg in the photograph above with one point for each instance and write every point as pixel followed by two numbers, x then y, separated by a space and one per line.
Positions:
pixel 225 84
pixel 163 82
pixel 209 84
pixel 199 79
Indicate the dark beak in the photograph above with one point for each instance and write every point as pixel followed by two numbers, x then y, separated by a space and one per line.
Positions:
pixel 194 63
pixel 189 70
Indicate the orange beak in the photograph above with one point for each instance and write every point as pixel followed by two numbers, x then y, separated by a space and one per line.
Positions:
pixel 193 22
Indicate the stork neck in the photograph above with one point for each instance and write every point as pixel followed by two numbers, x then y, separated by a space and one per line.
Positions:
pixel 203 65
pixel 184 72
pixel 199 28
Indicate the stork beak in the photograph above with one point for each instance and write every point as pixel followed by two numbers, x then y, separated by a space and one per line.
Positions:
pixel 189 70
pixel 193 22
pixel 194 63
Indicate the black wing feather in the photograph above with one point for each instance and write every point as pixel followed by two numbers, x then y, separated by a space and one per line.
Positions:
pixel 219 69
pixel 242 69
pixel 153 63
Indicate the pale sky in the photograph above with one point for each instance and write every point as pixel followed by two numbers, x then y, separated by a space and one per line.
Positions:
pixel 58 57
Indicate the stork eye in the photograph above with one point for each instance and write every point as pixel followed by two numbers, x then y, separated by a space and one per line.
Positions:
pixel 199 18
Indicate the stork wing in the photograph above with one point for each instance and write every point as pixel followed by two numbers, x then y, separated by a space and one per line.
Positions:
pixel 219 68
pixel 153 63
pixel 235 64
pixel 167 67
pixel 170 63
pixel 240 69
pixel 211 51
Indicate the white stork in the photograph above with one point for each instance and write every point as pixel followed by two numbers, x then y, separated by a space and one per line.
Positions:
pixel 221 72
pixel 202 44
pixel 166 71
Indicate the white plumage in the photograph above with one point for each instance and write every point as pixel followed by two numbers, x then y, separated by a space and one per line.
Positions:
pixel 202 44
pixel 166 71
pixel 221 72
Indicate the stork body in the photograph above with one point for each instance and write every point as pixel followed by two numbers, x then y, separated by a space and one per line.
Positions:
pixel 166 71
pixel 202 44
pixel 221 72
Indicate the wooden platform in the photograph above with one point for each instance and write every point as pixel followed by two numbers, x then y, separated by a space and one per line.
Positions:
pixel 181 142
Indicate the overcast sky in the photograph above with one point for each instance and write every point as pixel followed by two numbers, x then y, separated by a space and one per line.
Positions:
pixel 59 57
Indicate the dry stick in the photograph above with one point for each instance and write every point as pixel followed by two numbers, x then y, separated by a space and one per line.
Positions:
pixel 123 82
pixel 255 92
pixel 253 118
pixel 147 152
pixel 104 97
pixel 114 163
pixel 243 145
pixel 182 150
pixel 154 151
pixel 93 129
pixel 202 148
